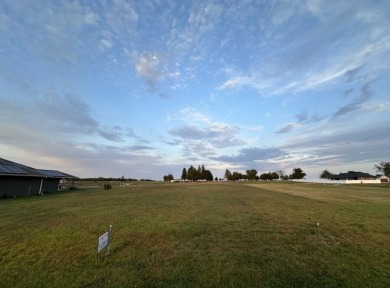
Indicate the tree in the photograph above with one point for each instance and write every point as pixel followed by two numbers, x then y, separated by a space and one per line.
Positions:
pixel 184 174
pixel 284 177
pixel 208 175
pixel 192 173
pixel 269 176
pixel 203 173
pixel 384 168
pixel 237 176
pixel 325 174
pixel 265 177
pixel 274 176
pixel 168 177
pixel 251 174
pixel 228 174
pixel 297 174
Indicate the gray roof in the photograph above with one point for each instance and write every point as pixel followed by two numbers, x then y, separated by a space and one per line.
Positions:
pixel 352 174
pixel 55 174
pixel 9 168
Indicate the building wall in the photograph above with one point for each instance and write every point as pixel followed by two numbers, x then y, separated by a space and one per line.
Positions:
pixel 376 181
pixel 19 186
pixel 50 185
pixel 327 181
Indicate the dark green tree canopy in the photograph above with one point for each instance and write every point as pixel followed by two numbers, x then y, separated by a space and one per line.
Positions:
pixel 325 174
pixel 269 176
pixel 194 174
pixel 228 174
pixel 184 174
pixel 251 174
pixel 168 177
pixel 384 168
pixel 297 174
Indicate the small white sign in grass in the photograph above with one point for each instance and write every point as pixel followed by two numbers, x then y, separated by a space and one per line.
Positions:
pixel 104 241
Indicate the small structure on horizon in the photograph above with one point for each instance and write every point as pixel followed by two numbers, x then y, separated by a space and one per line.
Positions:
pixel 383 178
pixel 352 175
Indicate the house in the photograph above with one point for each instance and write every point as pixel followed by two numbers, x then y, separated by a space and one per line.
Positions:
pixel 352 175
pixel 383 179
pixel 20 180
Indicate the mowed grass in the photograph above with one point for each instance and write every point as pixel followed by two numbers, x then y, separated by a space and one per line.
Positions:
pixel 199 235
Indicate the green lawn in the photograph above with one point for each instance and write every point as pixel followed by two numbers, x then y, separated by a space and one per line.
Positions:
pixel 199 235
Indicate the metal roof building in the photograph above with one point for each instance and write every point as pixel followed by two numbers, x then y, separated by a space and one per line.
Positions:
pixel 20 180
pixel 353 175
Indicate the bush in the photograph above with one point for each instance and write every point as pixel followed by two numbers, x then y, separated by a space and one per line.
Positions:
pixel 107 186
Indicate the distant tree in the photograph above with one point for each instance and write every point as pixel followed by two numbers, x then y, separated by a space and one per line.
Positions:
pixel 325 174
pixel 274 176
pixel 265 177
pixel 199 173
pixel 168 177
pixel 208 175
pixel 297 174
pixel 228 174
pixel 269 176
pixel 251 174
pixel 194 174
pixel 384 168
pixel 216 179
pixel 284 177
pixel 184 174
pixel 203 173
pixel 236 176
pixel 191 173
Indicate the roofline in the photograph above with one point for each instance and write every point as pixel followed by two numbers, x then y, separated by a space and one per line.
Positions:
pixel 33 172
pixel 38 176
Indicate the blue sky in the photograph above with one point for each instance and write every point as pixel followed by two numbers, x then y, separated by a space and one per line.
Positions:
pixel 144 88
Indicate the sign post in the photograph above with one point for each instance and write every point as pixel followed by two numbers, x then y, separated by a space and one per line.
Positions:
pixel 104 241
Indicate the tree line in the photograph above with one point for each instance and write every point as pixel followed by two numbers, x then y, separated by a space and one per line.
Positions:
pixel 269 176
pixel 193 174
pixel 201 173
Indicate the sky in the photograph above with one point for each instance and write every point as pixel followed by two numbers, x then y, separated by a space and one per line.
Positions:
pixel 142 89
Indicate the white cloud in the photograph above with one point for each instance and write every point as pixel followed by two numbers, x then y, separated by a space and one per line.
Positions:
pixel 148 67
pixel 105 44
pixel 238 81
pixel 200 131
pixel 315 6
pixel 256 128
pixel 91 18
pixel 287 128
pixel 376 107
pixel 190 114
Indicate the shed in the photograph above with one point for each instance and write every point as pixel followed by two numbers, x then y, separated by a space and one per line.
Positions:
pixel 21 180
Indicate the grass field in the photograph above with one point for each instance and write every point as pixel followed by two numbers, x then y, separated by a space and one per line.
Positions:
pixel 199 235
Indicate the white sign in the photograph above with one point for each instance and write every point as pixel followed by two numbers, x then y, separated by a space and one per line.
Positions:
pixel 103 242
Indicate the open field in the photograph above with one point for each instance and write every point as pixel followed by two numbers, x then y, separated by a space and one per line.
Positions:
pixel 199 235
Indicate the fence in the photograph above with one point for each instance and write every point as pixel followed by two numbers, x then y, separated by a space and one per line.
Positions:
pixel 340 182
